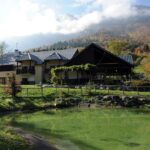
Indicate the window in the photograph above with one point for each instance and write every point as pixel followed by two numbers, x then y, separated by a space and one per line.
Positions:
pixel 2 80
pixel 24 80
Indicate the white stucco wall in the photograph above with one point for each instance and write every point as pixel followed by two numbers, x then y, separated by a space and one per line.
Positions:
pixel 38 74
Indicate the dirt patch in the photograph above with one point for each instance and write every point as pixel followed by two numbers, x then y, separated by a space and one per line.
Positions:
pixel 37 142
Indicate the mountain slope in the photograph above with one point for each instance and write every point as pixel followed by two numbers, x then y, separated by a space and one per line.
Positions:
pixel 136 27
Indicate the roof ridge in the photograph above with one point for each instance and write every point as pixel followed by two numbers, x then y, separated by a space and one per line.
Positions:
pixel 56 53
pixel 59 55
pixel 108 52
pixel 29 55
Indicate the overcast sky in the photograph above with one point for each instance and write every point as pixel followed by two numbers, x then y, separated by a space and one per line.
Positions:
pixel 28 17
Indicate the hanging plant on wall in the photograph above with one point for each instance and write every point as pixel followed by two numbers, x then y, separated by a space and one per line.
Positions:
pixel 55 72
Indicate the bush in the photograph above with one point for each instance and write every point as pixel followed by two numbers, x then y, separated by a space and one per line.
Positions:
pixel 9 140
pixel 89 88
pixel 136 83
pixel 13 88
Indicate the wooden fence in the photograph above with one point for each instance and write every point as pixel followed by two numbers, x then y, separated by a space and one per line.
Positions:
pixel 40 91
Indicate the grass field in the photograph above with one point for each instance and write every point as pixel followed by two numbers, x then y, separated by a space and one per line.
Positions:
pixel 36 91
pixel 32 97
pixel 90 129
pixel 9 140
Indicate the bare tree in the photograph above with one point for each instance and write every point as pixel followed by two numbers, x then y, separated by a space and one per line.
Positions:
pixel 3 47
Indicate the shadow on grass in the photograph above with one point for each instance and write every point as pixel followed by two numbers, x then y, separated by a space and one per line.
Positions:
pixel 140 111
pixel 58 134
pixel 49 112
pixel 126 143
pixel 26 99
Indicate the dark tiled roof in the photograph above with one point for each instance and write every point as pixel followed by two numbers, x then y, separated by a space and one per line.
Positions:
pixel 56 56
pixel 8 59
pixel 127 58
pixel 23 57
pixel 67 53
pixel 95 54
pixel 40 57
pixel 29 56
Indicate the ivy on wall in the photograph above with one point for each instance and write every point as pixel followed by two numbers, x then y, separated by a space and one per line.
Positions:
pixel 57 70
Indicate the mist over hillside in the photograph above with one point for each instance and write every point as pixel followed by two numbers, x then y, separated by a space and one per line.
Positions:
pixel 136 27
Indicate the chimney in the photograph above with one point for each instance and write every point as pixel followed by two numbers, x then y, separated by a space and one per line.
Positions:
pixel 17 53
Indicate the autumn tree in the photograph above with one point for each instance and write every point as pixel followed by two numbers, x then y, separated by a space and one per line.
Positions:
pixel 147 68
pixel 117 47
pixel 138 51
pixel 141 34
pixel 146 47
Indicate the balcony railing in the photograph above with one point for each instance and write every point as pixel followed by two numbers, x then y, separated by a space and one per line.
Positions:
pixel 26 70
pixel 47 70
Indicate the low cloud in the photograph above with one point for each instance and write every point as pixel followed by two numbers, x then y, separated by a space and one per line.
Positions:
pixel 32 17
pixel 109 8
pixel 97 11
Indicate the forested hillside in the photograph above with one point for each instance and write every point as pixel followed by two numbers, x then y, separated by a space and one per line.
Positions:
pixel 129 35
pixel 134 29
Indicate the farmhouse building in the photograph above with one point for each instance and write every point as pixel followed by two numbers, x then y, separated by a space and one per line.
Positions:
pixel 8 66
pixel 106 65
pixel 34 67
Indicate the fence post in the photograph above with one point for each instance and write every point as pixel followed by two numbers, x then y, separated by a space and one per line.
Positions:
pixel 56 89
pixel 108 90
pixel 27 92
pixel 42 91
pixel 123 89
pixel 68 90
pixel 138 91
pixel 81 91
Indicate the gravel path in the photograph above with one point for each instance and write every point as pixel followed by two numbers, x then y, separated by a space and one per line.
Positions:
pixel 39 143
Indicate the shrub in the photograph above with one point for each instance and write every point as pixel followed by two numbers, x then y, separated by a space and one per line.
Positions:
pixel 13 88
pixel 57 73
pixel 136 83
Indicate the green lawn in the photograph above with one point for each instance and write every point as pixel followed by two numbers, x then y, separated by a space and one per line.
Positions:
pixel 9 140
pixel 138 69
pixel 91 129
pixel 31 98
pixel 36 91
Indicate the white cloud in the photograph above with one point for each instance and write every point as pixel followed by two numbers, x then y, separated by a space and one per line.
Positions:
pixel 30 17
pixel 99 10
pixel 109 8
pixel 81 2
pixel 77 25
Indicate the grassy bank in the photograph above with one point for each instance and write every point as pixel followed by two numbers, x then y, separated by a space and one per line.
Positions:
pixel 23 104
pixel 64 97
pixel 91 129
pixel 9 140
pixel 35 91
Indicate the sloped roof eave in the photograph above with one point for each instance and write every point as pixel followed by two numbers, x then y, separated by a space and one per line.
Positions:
pixel 55 56
pixel 97 46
